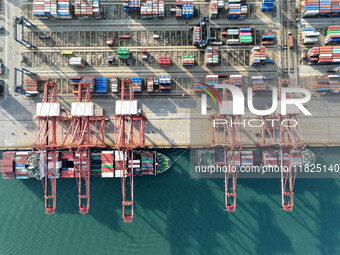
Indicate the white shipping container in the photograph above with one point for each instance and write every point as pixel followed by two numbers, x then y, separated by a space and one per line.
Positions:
pixel 107 175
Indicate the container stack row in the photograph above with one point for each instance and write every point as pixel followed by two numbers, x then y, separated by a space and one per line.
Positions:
pixel 188 60
pixel 211 80
pixel 95 163
pixel 67 169
pixel 330 83
pixel 135 164
pixel 107 164
pixel 259 83
pixel 74 81
pixel 245 158
pixel 211 56
pixel 152 9
pixel 184 9
pixel 91 81
pixel 164 84
pixel 320 8
pixel 131 6
pixel 267 5
pixel 164 61
pixel 147 163
pixel 245 36
pixel 258 56
pixel 31 85
pixel 136 84
pixel 270 158
pixel 7 165
pixel 150 85
pixel 309 35
pixel 20 165
pixel 114 84
pixel 77 62
pixel 333 35
pixel 324 55
pixel 120 163
pixel 236 9
pixel 196 35
pixel 101 85
pixel 267 39
pixel 123 53
pixel 214 8
pixel 87 9
pixel 53 167
pixel 235 79
pixel 52 9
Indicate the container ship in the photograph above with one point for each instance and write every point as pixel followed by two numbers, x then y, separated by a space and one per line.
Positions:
pixel 103 163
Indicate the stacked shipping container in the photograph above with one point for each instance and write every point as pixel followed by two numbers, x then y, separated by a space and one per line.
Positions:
pixel 329 83
pixel 196 35
pixel 324 55
pixel 7 165
pixel 211 56
pixel 31 85
pixel 147 163
pixel 101 85
pixel 267 5
pixel 188 60
pixel 245 36
pixel 320 8
pixel 258 56
pixel 152 9
pixel 107 166
pixel 52 9
pixel 136 84
pixel 77 62
pixel 123 53
pixel 67 169
pixel 333 34
pixel 309 35
pixel 236 9
pixel 164 61
pixel 184 9
pixel 211 80
pixel 267 39
pixel 114 84
pixel 164 83
pixel 258 83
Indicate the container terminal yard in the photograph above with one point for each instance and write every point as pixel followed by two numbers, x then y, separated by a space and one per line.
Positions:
pixel 104 84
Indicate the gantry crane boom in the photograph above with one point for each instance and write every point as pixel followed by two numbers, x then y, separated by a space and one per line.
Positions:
pixel 289 139
pixel 46 142
pixel 229 137
pixel 85 131
pixel 125 141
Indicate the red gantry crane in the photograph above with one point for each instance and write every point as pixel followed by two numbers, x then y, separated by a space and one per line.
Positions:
pixel 129 134
pixel 46 142
pixel 86 130
pixel 228 135
pixel 285 134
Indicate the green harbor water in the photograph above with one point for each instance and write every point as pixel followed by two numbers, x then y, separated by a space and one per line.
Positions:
pixel 174 215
